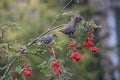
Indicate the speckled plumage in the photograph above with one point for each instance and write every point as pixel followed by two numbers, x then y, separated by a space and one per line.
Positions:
pixel 70 28
pixel 45 39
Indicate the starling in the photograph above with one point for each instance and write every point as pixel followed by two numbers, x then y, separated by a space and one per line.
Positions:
pixel 70 28
pixel 46 39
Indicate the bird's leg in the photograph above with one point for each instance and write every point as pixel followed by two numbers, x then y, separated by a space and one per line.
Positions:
pixel 72 40
pixel 70 36
pixel 53 51
pixel 48 46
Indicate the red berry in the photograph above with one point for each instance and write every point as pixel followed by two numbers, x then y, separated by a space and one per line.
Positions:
pixel 57 70
pixel 27 73
pixel 55 64
pixel 79 57
pixel 90 39
pixel 72 44
pixel 76 56
pixel 85 44
pixel 78 47
pixel 91 35
pixel 52 52
pixel 56 67
pixel 94 49
pixel 25 67
pixel 73 55
pixel 30 69
pixel 90 43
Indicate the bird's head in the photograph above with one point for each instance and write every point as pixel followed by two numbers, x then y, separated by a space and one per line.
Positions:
pixel 54 35
pixel 78 18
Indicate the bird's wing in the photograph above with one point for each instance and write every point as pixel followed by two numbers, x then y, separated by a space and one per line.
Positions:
pixel 41 40
pixel 44 38
pixel 67 27
pixel 47 39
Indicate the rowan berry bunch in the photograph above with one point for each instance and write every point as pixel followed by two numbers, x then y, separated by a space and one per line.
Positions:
pixel 76 56
pixel 94 49
pixel 74 46
pixel 27 70
pixel 87 43
pixel 90 43
pixel 56 67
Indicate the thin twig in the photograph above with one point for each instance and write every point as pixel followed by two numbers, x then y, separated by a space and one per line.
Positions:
pixel 35 55
pixel 8 68
pixel 53 52
pixel 60 14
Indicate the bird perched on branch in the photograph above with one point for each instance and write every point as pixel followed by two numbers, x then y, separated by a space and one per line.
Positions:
pixel 70 28
pixel 45 39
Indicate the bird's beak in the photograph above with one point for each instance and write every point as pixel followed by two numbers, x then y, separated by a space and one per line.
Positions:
pixel 79 19
pixel 56 36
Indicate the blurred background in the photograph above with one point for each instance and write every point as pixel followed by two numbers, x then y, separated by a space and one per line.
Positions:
pixel 35 16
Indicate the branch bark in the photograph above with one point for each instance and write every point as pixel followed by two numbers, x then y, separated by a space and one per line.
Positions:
pixel 34 54
pixel 8 68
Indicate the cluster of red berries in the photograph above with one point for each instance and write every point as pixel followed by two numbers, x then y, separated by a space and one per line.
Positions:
pixel 73 45
pixel 27 70
pixel 56 67
pixel 76 56
pixel 94 49
pixel 89 43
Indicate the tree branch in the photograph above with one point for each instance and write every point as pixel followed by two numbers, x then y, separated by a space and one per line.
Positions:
pixel 34 54
pixel 8 68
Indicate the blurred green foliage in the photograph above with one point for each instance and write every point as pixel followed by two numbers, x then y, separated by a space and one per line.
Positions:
pixel 34 17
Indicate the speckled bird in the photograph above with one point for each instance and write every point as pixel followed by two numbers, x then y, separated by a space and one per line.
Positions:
pixel 46 39
pixel 70 28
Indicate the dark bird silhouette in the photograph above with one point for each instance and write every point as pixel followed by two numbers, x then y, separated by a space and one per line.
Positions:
pixel 70 28
pixel 46 39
